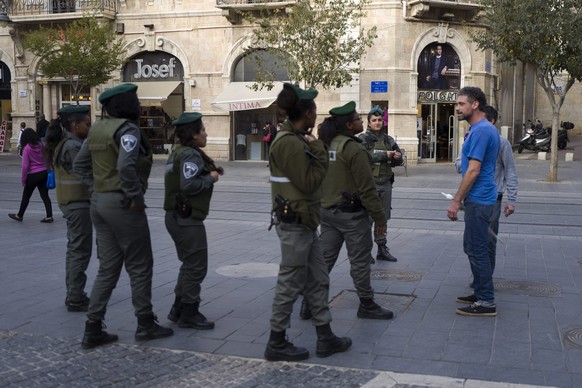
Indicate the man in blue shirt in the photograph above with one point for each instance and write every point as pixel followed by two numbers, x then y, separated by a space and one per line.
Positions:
pixel 478 193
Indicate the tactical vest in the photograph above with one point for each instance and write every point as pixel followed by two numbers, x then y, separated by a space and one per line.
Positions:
pixel 105 151
pixel 200 202
pixel 69 188
pixel 384 168
pixel 306 205
pixel 338 178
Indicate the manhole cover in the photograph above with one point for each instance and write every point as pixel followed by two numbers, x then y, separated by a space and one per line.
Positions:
pixel 348 299
pixel 249 270
pixel 527 288
pixel 574 336
pixel 390 274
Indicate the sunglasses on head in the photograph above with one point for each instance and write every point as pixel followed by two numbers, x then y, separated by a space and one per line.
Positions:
pixel 377 111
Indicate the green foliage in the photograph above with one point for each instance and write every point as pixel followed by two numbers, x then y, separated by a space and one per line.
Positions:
pixel 84 52
pixel 545 34
pixel 320 42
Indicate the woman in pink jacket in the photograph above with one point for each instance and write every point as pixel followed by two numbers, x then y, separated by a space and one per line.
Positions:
pixel 34 175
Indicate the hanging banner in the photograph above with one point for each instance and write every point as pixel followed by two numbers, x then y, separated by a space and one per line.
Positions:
pixel 3 129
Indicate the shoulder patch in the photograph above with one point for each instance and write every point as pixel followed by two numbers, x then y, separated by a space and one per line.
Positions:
pixel 190 169
pixel 128 142
pixel 332 156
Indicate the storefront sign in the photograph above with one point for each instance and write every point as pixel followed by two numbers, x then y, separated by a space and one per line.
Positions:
pixel 436 96
pixel 246 105
pixel 2 135
pixel 153 67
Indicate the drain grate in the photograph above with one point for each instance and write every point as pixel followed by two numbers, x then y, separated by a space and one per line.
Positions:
pixel 527 288
pixel 574 336
pixel 348 299
pixel 390 274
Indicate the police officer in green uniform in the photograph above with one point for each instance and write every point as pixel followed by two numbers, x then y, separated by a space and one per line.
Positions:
pixel 298 164
pixel 189 181
pixel 64 138
pixel 349 201
pixel 116 160
pixel 385 154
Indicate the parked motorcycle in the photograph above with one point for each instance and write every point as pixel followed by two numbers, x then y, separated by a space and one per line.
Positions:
pixel 536 138
pixel 563 138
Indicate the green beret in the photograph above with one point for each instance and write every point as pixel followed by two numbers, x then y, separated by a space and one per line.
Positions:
pixel 344 110
pixel 308 94
pixel 119 89
pixel 187 118
pixel 68 109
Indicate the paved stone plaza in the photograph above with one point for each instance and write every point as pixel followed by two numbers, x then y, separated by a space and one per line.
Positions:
pixel 536 338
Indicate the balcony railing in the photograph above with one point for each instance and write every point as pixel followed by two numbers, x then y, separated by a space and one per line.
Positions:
pixel 27 8
pixel 449 10
pixel 232 9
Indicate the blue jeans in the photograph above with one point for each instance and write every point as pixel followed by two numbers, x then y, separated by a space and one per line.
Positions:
pixel 475 245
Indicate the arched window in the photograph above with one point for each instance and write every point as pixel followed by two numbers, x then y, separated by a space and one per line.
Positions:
pixel 247 67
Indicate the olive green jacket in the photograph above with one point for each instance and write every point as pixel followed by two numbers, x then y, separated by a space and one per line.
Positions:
pixel 350 171
pixel 298 168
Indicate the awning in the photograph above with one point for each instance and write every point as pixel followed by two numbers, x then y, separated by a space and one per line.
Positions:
pixel 154 93
pixel 238 96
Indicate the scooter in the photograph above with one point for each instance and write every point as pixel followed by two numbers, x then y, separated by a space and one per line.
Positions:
pixel 563 139
pixel 535 139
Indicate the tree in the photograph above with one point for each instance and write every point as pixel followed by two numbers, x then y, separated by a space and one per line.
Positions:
pixel 84 52
pixel 544 34
pixel 319 42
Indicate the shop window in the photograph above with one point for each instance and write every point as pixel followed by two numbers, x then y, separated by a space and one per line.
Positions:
pixel 247 67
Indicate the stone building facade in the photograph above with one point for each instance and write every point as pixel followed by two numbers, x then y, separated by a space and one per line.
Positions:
pixel 187 55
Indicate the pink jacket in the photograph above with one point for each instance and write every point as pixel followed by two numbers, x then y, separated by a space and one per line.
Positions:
pixel 32 161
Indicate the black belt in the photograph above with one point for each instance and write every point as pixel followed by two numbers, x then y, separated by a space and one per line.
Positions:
pixel 499 196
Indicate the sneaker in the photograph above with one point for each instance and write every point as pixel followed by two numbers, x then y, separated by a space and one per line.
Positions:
pixel 467 299
pixel 476 310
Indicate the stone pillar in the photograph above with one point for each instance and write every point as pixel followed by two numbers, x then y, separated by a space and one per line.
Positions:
pixel 46 100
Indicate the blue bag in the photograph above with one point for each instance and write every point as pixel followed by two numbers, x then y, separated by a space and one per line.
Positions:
pixel 50 180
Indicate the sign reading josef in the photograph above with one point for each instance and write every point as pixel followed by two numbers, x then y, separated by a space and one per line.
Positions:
pixel 154 70
pixel 379 87
pixel 153 67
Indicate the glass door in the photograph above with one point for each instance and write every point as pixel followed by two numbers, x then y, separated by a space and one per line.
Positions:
pixel 428 134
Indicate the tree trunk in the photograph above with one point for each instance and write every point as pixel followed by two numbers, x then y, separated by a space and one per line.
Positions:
pixel 553 173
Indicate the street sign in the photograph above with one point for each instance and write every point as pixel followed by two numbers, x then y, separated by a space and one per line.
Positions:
pixel 379 86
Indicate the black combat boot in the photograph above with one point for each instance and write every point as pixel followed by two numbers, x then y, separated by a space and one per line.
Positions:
pixel 384 254
pixel 328 343
pixel 279 349
pixel 305 311
pixel 191 318
pixel 75 306
pixel 95 335
pixel 371 310
pixel 148 328
pixel 176 309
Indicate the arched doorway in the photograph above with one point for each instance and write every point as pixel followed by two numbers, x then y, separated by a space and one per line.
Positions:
pixel 5 106
pixel 250 110
pixel 439 79
pixel 159 77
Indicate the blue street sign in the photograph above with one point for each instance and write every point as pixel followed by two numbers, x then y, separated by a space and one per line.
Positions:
pixel 379 86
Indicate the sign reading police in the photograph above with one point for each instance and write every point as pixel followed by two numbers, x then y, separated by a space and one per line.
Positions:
pixel 152 67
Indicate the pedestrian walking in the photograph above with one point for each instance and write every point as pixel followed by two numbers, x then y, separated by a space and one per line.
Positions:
pixel 41 128
pixel 505 181
pixel 349 201
pixel 65 136
pixel 478 193
pixel 115 161
pixel 189 181
pixel 298 164
pixel 19 141
pixel 33 176
pixel 385 154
